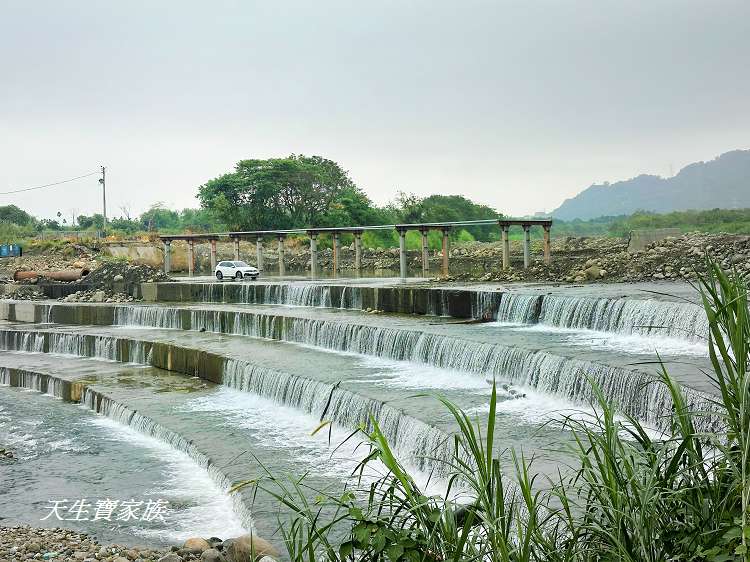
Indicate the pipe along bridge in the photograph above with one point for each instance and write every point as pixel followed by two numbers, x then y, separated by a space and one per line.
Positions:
pixel 335 232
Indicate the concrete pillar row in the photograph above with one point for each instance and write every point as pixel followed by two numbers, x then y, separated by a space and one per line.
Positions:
pixel 213 256
pixel 425 253
pixel 191 257
pixel 402 253
pixel 336 253
pixel 358 251
pixel 282 271
pixel 547 250
pixel 314 255
pixel 167 256
pixel 259 253
pixel 526 246
pixel 506 247
pixel 236 249
pixel 446 251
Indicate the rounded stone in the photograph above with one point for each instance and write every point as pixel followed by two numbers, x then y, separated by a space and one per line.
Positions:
pixel 196 543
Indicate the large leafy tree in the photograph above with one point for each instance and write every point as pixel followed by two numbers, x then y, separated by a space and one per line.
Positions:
pixel 297 191
pixel 446 208
pixel 12 214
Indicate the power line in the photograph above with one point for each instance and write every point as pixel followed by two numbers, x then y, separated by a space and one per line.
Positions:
pixel 48 184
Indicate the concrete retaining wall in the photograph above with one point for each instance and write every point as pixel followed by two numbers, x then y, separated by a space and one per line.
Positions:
pixel 457 303
pixel 639 239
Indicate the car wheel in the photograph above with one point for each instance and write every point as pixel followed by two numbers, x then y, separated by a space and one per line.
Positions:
pixel 238 276
pixel 255 278
pixel 219 275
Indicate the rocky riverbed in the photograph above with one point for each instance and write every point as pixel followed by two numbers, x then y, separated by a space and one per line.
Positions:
pixel 574 260
pixel 22 543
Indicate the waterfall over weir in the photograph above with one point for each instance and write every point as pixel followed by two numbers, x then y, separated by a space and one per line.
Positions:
pixel 432 301
pixel 416 441
pixel 680 320
pixel 103 405
pixel 635 392
pixel 112 409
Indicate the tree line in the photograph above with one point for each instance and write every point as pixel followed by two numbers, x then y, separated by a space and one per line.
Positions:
pixel 311 191
pixel 278 193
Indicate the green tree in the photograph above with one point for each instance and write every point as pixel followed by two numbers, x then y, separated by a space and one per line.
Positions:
pixel 95 221
pixel 158 217
pixel 297 191
pixel 15 215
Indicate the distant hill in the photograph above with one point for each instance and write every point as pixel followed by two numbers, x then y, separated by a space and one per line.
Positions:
pixel 721 183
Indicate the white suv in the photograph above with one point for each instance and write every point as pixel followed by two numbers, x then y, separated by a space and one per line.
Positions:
pixel 235 270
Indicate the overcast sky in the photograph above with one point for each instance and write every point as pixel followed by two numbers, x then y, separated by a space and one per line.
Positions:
pixel 518 105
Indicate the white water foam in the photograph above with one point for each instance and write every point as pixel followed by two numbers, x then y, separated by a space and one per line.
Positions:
pixel 420 376
pixel 211 514
pixel 633 344
pixel 280 427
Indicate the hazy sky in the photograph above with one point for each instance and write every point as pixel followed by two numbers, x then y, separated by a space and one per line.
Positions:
pixel 514 104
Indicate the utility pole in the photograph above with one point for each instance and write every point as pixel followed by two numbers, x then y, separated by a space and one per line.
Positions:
pixel 104 196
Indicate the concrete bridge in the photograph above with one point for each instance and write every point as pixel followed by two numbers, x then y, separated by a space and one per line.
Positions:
pixel 335 232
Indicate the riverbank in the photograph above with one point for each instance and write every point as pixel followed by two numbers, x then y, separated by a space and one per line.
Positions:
pixel 63 545
pixel 574 260
pixel 23 542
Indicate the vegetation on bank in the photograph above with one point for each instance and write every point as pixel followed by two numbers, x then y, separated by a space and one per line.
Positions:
pixel 733 221
pixel 304 191
pixel 625 497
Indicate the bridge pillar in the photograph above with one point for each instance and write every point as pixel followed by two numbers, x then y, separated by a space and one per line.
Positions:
pixel 358 251
pixel 526 246
pixel 547 252
pixel 446 251
pixel 259 253
pixel 236 249
pixel 282 271
pixel 213 256
pixel 191 257
pixel 506 246
pixel 336 253
pixel 425 253
pixel 313 255
pixel 402 253
pixel 167 256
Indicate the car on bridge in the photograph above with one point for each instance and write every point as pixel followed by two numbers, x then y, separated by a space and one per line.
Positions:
pixel 238 270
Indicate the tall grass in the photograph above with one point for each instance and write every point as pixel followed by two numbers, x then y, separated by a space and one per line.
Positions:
pixel 625 496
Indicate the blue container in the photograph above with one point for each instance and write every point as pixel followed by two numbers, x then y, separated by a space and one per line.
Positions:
pixel 10 251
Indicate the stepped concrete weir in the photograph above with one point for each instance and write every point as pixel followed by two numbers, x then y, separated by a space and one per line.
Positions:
pixel 356 231
pixel 235 375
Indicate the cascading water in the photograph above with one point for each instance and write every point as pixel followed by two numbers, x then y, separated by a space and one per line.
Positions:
pixel 437 301
pixel 417 442
pixel 351 298
pixel 13 340
pixel 104 405
pixel 309 295
pixel 523 309
pixel 148 316
pixel 485 304
pixel 635 392
pixel 679 320
pixel 626 316
pixel 114 410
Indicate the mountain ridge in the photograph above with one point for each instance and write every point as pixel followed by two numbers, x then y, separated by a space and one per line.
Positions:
pixel 722 182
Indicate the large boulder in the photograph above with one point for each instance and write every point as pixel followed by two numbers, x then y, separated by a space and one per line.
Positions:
pixel 593 273
pixel 248 548
pixel 196 543
pixel 212 555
